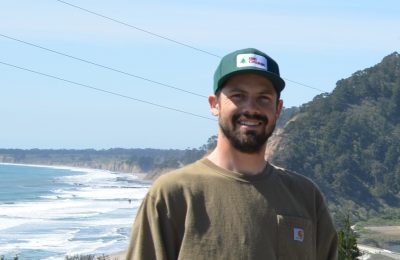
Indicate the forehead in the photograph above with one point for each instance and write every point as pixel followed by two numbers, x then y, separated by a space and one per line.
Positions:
pixel 248 82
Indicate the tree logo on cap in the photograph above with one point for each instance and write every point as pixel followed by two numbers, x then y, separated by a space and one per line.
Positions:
pixel 251 60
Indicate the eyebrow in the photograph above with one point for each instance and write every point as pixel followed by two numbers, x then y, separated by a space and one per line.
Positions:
pixel 234 89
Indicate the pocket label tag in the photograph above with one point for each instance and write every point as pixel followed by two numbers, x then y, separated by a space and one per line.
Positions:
pixel 298 234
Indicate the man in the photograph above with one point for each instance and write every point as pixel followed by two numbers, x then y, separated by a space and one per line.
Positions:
pixel 233 204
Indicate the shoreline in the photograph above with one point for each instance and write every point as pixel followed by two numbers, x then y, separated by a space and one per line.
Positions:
pixel 116 253
pixel 140 176
pixel 60 167
pixel 368 251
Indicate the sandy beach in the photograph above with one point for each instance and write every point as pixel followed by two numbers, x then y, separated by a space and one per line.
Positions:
pixel 385 230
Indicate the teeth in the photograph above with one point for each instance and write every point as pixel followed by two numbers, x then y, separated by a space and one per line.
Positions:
pixel 250 123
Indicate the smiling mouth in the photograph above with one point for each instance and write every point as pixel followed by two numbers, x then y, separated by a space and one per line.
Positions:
pixel 248 120
pixel 249 123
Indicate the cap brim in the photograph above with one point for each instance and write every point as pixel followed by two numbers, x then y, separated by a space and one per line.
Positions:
pixel 277 82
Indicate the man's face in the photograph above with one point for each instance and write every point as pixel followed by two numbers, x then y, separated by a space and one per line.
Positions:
pixel 247 109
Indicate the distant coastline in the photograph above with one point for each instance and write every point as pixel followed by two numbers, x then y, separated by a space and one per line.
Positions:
pixel 140 176
pixel 145 163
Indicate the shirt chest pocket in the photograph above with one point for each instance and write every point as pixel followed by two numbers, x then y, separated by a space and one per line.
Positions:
pixel 295 238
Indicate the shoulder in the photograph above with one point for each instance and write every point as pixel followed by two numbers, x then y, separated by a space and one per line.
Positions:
pixel 298 184
pixel 177 180
pixel 293 178
pixel 302 189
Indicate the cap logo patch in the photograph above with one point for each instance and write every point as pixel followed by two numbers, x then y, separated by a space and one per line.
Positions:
pixel 251 60
pixel 298 234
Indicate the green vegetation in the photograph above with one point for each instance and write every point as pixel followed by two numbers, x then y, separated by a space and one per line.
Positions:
pixel 3 257
pixel 378 221
pixel 286 115
pixel 348 142
pixel 348 249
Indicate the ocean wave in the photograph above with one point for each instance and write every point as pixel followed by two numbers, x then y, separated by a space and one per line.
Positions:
pixel 91 213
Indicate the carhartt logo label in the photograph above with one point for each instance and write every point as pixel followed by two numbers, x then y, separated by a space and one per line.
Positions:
pixel 251 60
pixel 298 234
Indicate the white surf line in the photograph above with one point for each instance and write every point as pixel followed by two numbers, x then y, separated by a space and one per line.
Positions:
pixel 59 167
pixel 378 251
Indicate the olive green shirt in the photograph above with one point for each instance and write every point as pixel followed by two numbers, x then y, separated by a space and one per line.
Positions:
pixel 202 211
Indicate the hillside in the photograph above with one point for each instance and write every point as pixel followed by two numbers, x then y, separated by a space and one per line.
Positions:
pixel 348 141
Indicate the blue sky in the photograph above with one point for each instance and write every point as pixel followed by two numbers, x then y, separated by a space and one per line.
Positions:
pixel 315 43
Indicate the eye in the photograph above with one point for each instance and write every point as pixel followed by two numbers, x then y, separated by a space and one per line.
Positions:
pixel 237 96
pixel 265 99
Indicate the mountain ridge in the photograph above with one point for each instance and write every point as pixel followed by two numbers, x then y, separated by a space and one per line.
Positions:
pixel 348 141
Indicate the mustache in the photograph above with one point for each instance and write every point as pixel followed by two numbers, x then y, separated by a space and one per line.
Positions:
pixel 261 118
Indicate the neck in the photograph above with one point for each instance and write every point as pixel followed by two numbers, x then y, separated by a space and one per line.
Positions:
pixel 228 157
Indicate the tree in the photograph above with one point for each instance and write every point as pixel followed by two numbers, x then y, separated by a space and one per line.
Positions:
pixel 146 163
pixel 348 249
pixel 211 144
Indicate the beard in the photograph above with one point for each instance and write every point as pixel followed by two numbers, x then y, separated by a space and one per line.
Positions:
pixel 250 141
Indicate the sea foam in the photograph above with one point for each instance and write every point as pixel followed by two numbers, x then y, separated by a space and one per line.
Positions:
pixel 91 214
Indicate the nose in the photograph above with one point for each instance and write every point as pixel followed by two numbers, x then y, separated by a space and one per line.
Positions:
pixel 251 106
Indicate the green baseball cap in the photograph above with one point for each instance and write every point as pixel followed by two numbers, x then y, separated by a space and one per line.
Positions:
pixel 248 60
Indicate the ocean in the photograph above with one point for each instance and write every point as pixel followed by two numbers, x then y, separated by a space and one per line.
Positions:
pixel 51 212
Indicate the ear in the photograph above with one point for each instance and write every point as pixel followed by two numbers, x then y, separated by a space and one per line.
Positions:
pixel 279 109
pixel 214 106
